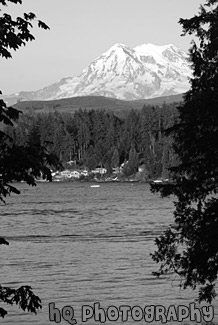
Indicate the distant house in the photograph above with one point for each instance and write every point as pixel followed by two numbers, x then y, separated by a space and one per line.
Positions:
pixel 75 174
pixel 65 173
pixel 99 170
pixel 84 172
pixel 70 174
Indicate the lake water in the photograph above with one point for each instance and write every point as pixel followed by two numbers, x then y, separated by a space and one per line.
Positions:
pixel 78 245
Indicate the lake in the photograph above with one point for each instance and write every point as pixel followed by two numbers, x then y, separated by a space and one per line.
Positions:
pixel 78 245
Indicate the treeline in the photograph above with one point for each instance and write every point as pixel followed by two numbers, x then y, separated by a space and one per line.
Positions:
pixel 97 138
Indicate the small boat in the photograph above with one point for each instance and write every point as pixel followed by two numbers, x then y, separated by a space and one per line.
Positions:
pixel 162 182
pixel 94 185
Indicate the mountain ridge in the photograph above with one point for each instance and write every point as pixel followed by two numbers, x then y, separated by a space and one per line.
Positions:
pixel 71 105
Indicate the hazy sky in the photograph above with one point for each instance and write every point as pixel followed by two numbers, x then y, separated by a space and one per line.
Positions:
pixel 81 30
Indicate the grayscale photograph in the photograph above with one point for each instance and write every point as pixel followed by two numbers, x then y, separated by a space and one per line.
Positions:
pixel 109 162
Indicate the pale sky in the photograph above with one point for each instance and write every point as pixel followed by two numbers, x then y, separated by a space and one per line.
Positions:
pixel 81 30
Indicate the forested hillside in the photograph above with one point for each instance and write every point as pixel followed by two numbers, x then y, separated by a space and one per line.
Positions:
pixel 99 138
pixel 73 104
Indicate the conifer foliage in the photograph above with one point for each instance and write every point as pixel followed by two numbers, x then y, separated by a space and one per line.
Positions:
pixel 190 246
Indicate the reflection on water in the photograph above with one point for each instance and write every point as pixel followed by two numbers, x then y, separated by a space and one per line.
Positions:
pixel 78 245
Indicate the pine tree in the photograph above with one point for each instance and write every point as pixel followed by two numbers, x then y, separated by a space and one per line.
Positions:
pixel 190 247
pixel 115 158
pixel 132 166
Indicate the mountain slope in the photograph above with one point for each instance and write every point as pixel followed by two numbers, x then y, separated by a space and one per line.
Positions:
pixel 147 71
pixel 144 72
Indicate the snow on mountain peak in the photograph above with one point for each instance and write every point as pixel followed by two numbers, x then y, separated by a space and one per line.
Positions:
pixel 119 50
pixel 117 46
pixel 121 72
pixel 145 71
pixel 152 48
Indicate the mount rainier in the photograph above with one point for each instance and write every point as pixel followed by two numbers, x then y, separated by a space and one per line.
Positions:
pixel 146 71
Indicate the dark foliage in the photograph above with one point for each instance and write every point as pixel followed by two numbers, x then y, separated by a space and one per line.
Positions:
pixel 98 138
pixel 190 247
pixel 23 297
pixel 18 161
pixel 15 33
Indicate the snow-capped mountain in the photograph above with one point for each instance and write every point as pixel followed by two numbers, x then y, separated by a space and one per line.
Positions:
pixel 143 72
pixel 146 71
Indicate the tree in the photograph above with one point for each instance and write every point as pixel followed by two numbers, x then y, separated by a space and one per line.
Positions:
pixel 190 246
pixel 18 162
pixel 115 159
pixel 132 165
pixel 91 160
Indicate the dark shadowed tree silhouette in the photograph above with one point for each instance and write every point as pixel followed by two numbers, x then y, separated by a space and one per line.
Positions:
pixel 190 246
pixel 18 162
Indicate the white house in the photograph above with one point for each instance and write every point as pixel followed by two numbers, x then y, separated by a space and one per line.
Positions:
pixel 99 170
pixel 75 174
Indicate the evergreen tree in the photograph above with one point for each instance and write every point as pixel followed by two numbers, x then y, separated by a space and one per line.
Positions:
pixel 33 138
pixel 91 160
pixel 190 246
pixel 101 152
pixel 132 166
pixel 115 158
